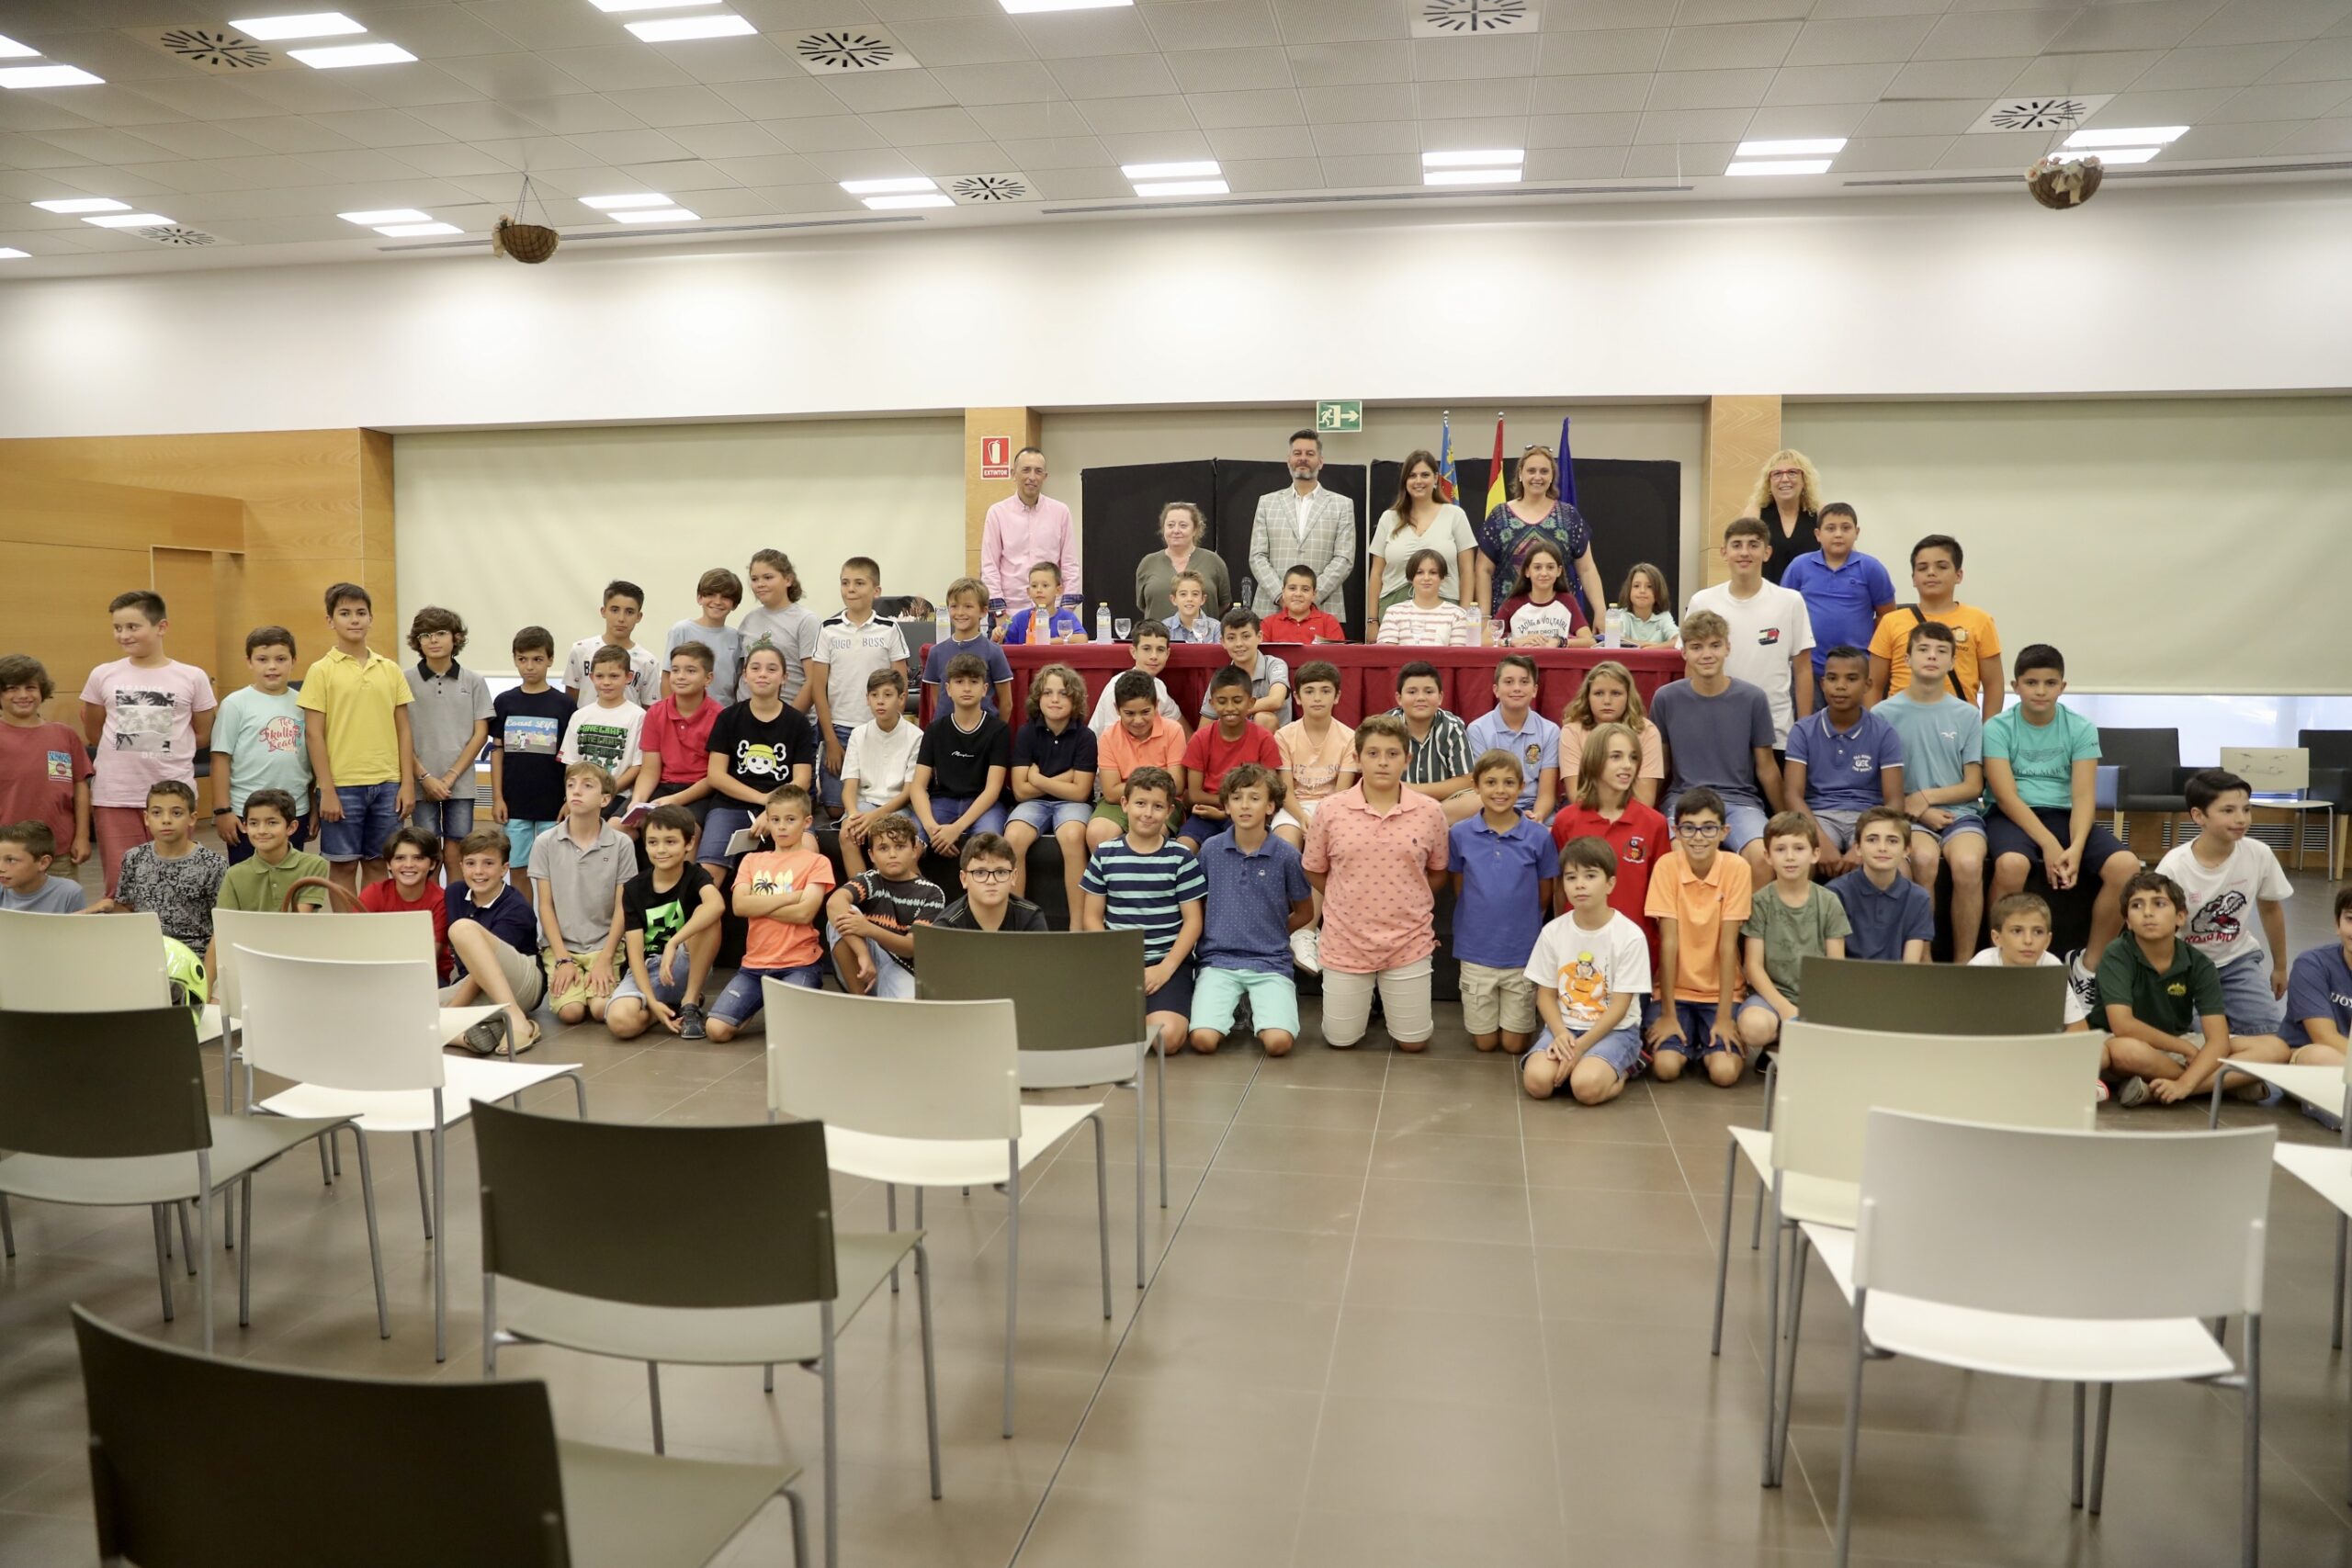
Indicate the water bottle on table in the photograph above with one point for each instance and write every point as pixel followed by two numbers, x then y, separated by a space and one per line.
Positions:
pixel 1102 621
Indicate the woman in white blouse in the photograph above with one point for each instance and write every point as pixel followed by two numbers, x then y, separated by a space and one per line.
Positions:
pixel 1419 521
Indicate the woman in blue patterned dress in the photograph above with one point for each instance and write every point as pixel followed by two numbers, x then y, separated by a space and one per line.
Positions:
pixel 1536 512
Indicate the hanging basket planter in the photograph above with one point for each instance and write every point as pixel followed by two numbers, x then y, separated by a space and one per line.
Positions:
pixel 529 243
pixel 2060 181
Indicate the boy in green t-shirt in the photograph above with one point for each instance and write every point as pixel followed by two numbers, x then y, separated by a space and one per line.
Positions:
pixel 2161 1002
pixel 2042 774
pixel 260 880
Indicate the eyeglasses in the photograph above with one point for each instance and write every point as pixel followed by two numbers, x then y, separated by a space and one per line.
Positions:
pixel 1003 872
pixel 1682 829
pixel 1785 474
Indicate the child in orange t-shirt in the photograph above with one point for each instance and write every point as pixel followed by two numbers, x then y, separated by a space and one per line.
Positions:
pixel 1143 738
pixel 782 893
pixel 1699 896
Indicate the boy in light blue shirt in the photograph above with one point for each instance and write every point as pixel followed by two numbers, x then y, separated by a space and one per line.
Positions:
pixel 1943 776
pixel 1512 724
pixel 258 743
pixel 1842 759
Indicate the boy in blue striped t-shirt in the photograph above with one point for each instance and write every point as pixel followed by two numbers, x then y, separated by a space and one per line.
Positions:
pixel 1142 881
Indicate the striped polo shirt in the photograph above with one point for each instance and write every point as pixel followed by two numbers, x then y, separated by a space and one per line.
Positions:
pixel 1145 891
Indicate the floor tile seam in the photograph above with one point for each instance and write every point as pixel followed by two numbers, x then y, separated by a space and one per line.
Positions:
pixel 1143 1298
pixel 1542 1341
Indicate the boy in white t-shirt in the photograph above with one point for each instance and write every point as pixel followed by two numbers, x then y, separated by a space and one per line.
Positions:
pixel 1771 632
pixel 606 731
pixel 877 766
pixel 1589 967
pixel 2230 877
pixel 2021 941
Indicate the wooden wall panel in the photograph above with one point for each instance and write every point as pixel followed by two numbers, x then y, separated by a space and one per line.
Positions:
pixel 64 623
pixel 1742 433
pixel 185 579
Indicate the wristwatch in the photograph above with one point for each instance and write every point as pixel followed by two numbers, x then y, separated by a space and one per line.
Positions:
pixel 224 811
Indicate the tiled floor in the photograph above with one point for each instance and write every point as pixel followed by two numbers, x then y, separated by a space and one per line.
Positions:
pixel 1398 1315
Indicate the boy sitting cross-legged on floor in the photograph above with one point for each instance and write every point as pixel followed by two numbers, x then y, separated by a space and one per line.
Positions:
pixel 670 912
pixel 494 938
pixel 1591 968
pixel 2021 941
pixel 2169 1021
pixel 780 891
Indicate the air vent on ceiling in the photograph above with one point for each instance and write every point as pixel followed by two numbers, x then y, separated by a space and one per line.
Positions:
pixel 1467 18
pixel 219 51
pixel 2065 111
pixel 178 234
pixel 845 51
pixel 988 190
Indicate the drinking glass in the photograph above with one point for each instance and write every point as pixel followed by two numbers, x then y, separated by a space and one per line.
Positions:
pixel 1124 625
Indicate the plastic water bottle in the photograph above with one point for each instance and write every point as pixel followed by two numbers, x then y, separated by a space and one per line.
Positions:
pixel 1102 621
pixel 938 625
pixel 1614 636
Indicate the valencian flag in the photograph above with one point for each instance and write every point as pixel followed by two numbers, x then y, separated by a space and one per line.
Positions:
pixel 1496 492
pixel 1446 489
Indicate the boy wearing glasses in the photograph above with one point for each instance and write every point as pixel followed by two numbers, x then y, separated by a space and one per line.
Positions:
pixel 1699 898
pixel 987 904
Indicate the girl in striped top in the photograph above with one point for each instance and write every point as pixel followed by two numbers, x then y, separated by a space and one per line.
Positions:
pixel 1427 620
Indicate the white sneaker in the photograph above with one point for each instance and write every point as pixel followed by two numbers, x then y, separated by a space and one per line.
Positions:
pixel 1307 950
pixel 2100 1086
pixel 2133 1092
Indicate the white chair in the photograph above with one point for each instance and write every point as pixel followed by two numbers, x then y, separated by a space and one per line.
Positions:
pixel 1996 1249
pixel 2328 1090
pixel 363 1040
pixel 1830 1080
pixel 2327 1172
pixel 923 1094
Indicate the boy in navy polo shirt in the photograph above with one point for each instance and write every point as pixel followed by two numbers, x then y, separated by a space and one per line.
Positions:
pixel 1845 592
pixel 1842 761
pixel 1502 863
pixel 1894 918
pixel 1258 895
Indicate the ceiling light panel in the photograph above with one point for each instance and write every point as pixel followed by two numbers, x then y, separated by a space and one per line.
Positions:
pixel 1470 176
pixel 1492 158
pixel 416 230
pixel 1198 169
pixel 9 253
pixel 1797 147
pixel 1038 7
pixel 129 221
pixel 11 50
pixel 84 204
pixel 671 30
pixel 1182 187
pixel 341 56
pixel 2129 136
pixel 1780 166
pixel 386 215
pixel 645 4
pixel 2113 154
pixel 316 24
pixel 21 77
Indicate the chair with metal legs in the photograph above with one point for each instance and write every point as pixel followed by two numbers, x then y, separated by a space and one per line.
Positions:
pixel 925 1094
pixel 1078 997
pixel 366 1472
pixel 362 1039
pixel 1995 1249
pixel 605 1239
pixel 2324 1089
pixel 108 1108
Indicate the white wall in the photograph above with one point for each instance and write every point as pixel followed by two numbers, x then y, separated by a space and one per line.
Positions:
pixel 2146 290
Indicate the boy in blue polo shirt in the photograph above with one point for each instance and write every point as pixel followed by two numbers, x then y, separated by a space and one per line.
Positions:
pixel 1502 864
pixel 1258 895
pixel 1512 724
pixel 2319 994
pixel 1846 592
pixel 1894 918
pixel 1842 759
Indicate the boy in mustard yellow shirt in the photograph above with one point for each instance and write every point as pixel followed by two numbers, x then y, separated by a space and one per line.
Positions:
pixel 361 751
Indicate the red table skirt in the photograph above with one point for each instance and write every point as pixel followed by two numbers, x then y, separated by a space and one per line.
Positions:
pixel 1367 673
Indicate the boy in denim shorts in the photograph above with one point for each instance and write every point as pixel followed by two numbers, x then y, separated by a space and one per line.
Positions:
pixel 1590 966
pixel 361 751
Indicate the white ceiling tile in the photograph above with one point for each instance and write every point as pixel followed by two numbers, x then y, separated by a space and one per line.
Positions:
pixel 1230 70
pixel 510 76
pixel 1596 53
pixel 964 41
pixel 1692 126
pixel 1582 129
pixel 1112 75
pixel 1694 12
pixel 450 158
pixel 823 133
pixel 1157 147
pixel 2249 140
pixel 1332 105
pixel 1927 117
pixel 1256 177
pixel 1574 166
pixel 1791 120
pixel 1458 100
pixel 2003 151
pixel 1364 136
pixel 1602 13
pixel 2237 65
pixel 545 24
pixel 1112 116
pixel 2060 73
pixel 1829 83
pixel 381 128
pixel 116 105
pixel 404 86
pixel 273 92
pixel 1056 152
pixel 1473 58
pixel 1339 21
pixel 1729 47
pixel 786 99
pixel 92 179
pixel 1211 24
pixel 880 91
pixel 2268 21
pixel 470 122
pixel 184 174
pixel 1269 107
pixel 2324 60
pixel 739 139
pixel 1955 78
pixel 501 184
pixel 1590 95
pixel 586 179
pixel 1980 35
pixel 1370 170
pixel 1272 141
pixel 958 158
pixel 769 169
pixel 432 31
pixel 1058 119
pixel 1859 40
pixel 2148 23
pixel 675 175
pixel 2186 107
pixel 1677 160
pixel 713 60
pixel 31 152
pixel 926 128
pixel 292 133
pixel 115 56
pixel 662 108
pixel 618 147
pixel 1010 82
pixel 2317 136
pixel 2288 100
pixel 1350 64
pixel 103 145
pixel 709 204
pixel 368 164
pixel 537 152
pixel 610 68
pixel 33 112
pixel 1709 89
pixel 1891 154
pixel 1081 184
pixel 1074 34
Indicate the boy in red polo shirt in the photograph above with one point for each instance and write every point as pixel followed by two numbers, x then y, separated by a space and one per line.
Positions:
pixel 1215 749
pixel 674 738
pixel 1377 853
pixel 1299 619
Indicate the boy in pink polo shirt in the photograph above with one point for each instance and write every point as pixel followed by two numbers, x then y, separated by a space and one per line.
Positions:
pixel 1377 852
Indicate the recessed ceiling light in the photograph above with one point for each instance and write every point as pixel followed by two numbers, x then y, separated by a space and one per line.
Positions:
pixel 1183 187
pixel 2114 154
pixel 1198 168
pixel 1033 8
pixel 1497 157
pixel 1470 176
pixel 644 4
pixel 11 50
pixel 47 77
pixel 620 203
pixel 345 54
pixel 416 230
pixel 129 221
pixel 9 253
pixel 890 187
pixel 726 23
pixel 84 204
pixel 925 198
pixel 1780 166
pixel 1798 147
pixel 388 215
pixel 318 23
pixel 655 215
pixel 2129 136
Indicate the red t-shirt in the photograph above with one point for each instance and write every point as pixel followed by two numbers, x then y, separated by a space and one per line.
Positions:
pixel 1638 836
pixel 684 743
pixel 1321 625
pixel 384 898
pixel 40 765
pixel 1213 756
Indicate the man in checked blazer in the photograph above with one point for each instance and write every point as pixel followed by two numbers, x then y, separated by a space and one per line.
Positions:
pixel 1304 524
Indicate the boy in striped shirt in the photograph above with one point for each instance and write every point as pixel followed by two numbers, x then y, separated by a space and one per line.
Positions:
pixel 1144 881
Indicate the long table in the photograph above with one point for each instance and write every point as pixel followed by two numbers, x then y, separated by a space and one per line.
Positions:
pixel 1367 673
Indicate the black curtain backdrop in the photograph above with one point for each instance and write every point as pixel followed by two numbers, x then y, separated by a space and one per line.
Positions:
pixel 1633 507
pixel 1239 484
pixel 1121 526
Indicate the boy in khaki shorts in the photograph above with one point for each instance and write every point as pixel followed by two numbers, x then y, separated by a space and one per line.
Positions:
pixel 1502 863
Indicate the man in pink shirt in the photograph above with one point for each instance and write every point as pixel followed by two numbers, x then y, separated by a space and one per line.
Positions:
pixel 1377 853
pixel 1022 529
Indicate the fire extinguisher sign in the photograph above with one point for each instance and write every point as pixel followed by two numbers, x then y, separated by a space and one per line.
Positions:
pixel 996 457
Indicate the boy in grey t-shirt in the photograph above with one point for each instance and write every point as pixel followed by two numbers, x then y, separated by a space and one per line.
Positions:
pixel 26 885
pixel 449 713
pixel 1943 775
pixel 1718 732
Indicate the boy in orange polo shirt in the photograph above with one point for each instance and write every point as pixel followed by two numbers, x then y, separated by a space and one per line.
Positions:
pixel 1377 853
pixel 1142 737
pixel 1699 896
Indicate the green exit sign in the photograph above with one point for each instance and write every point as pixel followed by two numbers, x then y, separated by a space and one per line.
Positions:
pixel 1341 418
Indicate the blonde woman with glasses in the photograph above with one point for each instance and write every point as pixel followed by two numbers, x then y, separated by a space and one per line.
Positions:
pixel 1788 496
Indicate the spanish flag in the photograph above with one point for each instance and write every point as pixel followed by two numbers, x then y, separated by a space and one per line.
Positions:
pixel 1497 491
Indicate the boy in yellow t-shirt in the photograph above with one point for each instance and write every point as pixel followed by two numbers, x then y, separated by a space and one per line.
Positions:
pixel 1975 674
pixel 361 750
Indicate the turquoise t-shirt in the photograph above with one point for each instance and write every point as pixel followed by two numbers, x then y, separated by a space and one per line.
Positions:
pixel 263 735
pixel 2043 757
pixel 1940 738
